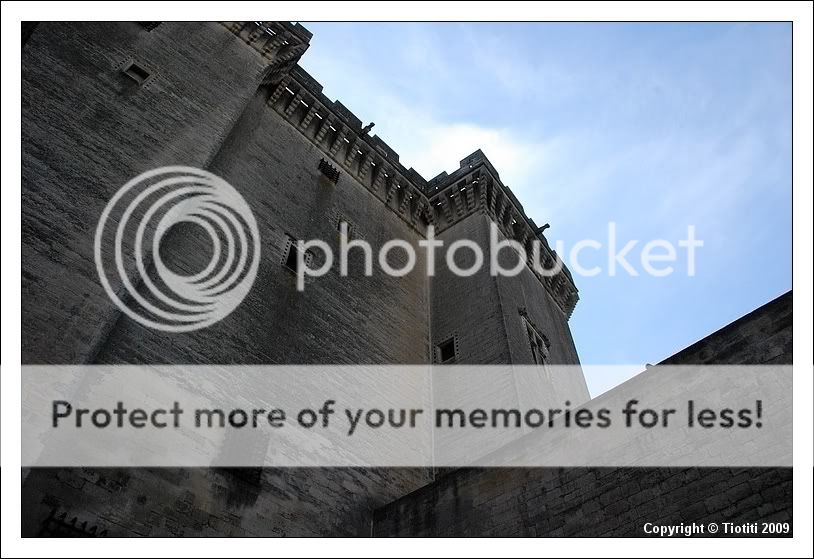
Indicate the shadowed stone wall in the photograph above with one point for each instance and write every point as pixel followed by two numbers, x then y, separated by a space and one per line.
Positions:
pixel 613 501
pixel 87 130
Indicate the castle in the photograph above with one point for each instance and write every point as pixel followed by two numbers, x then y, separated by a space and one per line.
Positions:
pixel 104 102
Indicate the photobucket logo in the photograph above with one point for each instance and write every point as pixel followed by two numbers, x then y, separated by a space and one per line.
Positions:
pixel 137 219
pixel 506 257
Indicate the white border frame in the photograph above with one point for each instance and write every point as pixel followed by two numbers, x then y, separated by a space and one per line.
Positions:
pixel 799 12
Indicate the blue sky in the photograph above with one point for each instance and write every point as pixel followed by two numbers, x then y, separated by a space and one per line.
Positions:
pixel 653 126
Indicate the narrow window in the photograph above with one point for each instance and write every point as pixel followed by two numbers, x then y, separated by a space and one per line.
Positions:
pixel 291 260
pixel 348 225
pixel 290 253
pixel 538 344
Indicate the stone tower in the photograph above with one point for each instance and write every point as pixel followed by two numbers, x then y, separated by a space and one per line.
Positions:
pixel 104 102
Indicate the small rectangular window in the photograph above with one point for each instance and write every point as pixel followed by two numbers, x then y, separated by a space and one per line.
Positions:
pixel 291 260
pixel 290 255
pixel 136 73
pixel 328 170
pixel 446 351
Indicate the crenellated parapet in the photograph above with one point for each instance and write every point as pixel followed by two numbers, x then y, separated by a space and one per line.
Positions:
pixel 339 134
pixel 476 188
pixel 280 42
pixel 442 201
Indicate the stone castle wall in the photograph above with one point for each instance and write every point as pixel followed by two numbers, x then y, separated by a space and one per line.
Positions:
pixel 87 128
pixel 73 165
pixel 596 502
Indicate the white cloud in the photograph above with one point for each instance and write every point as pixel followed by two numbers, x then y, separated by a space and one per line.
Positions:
pixel 431 145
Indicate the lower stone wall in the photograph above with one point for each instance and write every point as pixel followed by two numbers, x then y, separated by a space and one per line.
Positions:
pixel 197 502
pixel 613 501
pixel 529 502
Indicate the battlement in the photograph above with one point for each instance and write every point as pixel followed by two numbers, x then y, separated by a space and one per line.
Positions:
pixel 442 201
pixel 476 187
pixel 335 130
pixel 280 42
pixel 381 146
pixel 354 123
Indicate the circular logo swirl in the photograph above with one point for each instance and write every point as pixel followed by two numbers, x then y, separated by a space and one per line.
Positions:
pixel 137 219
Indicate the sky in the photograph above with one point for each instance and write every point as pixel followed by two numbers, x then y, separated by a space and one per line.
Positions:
pixel 655 127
